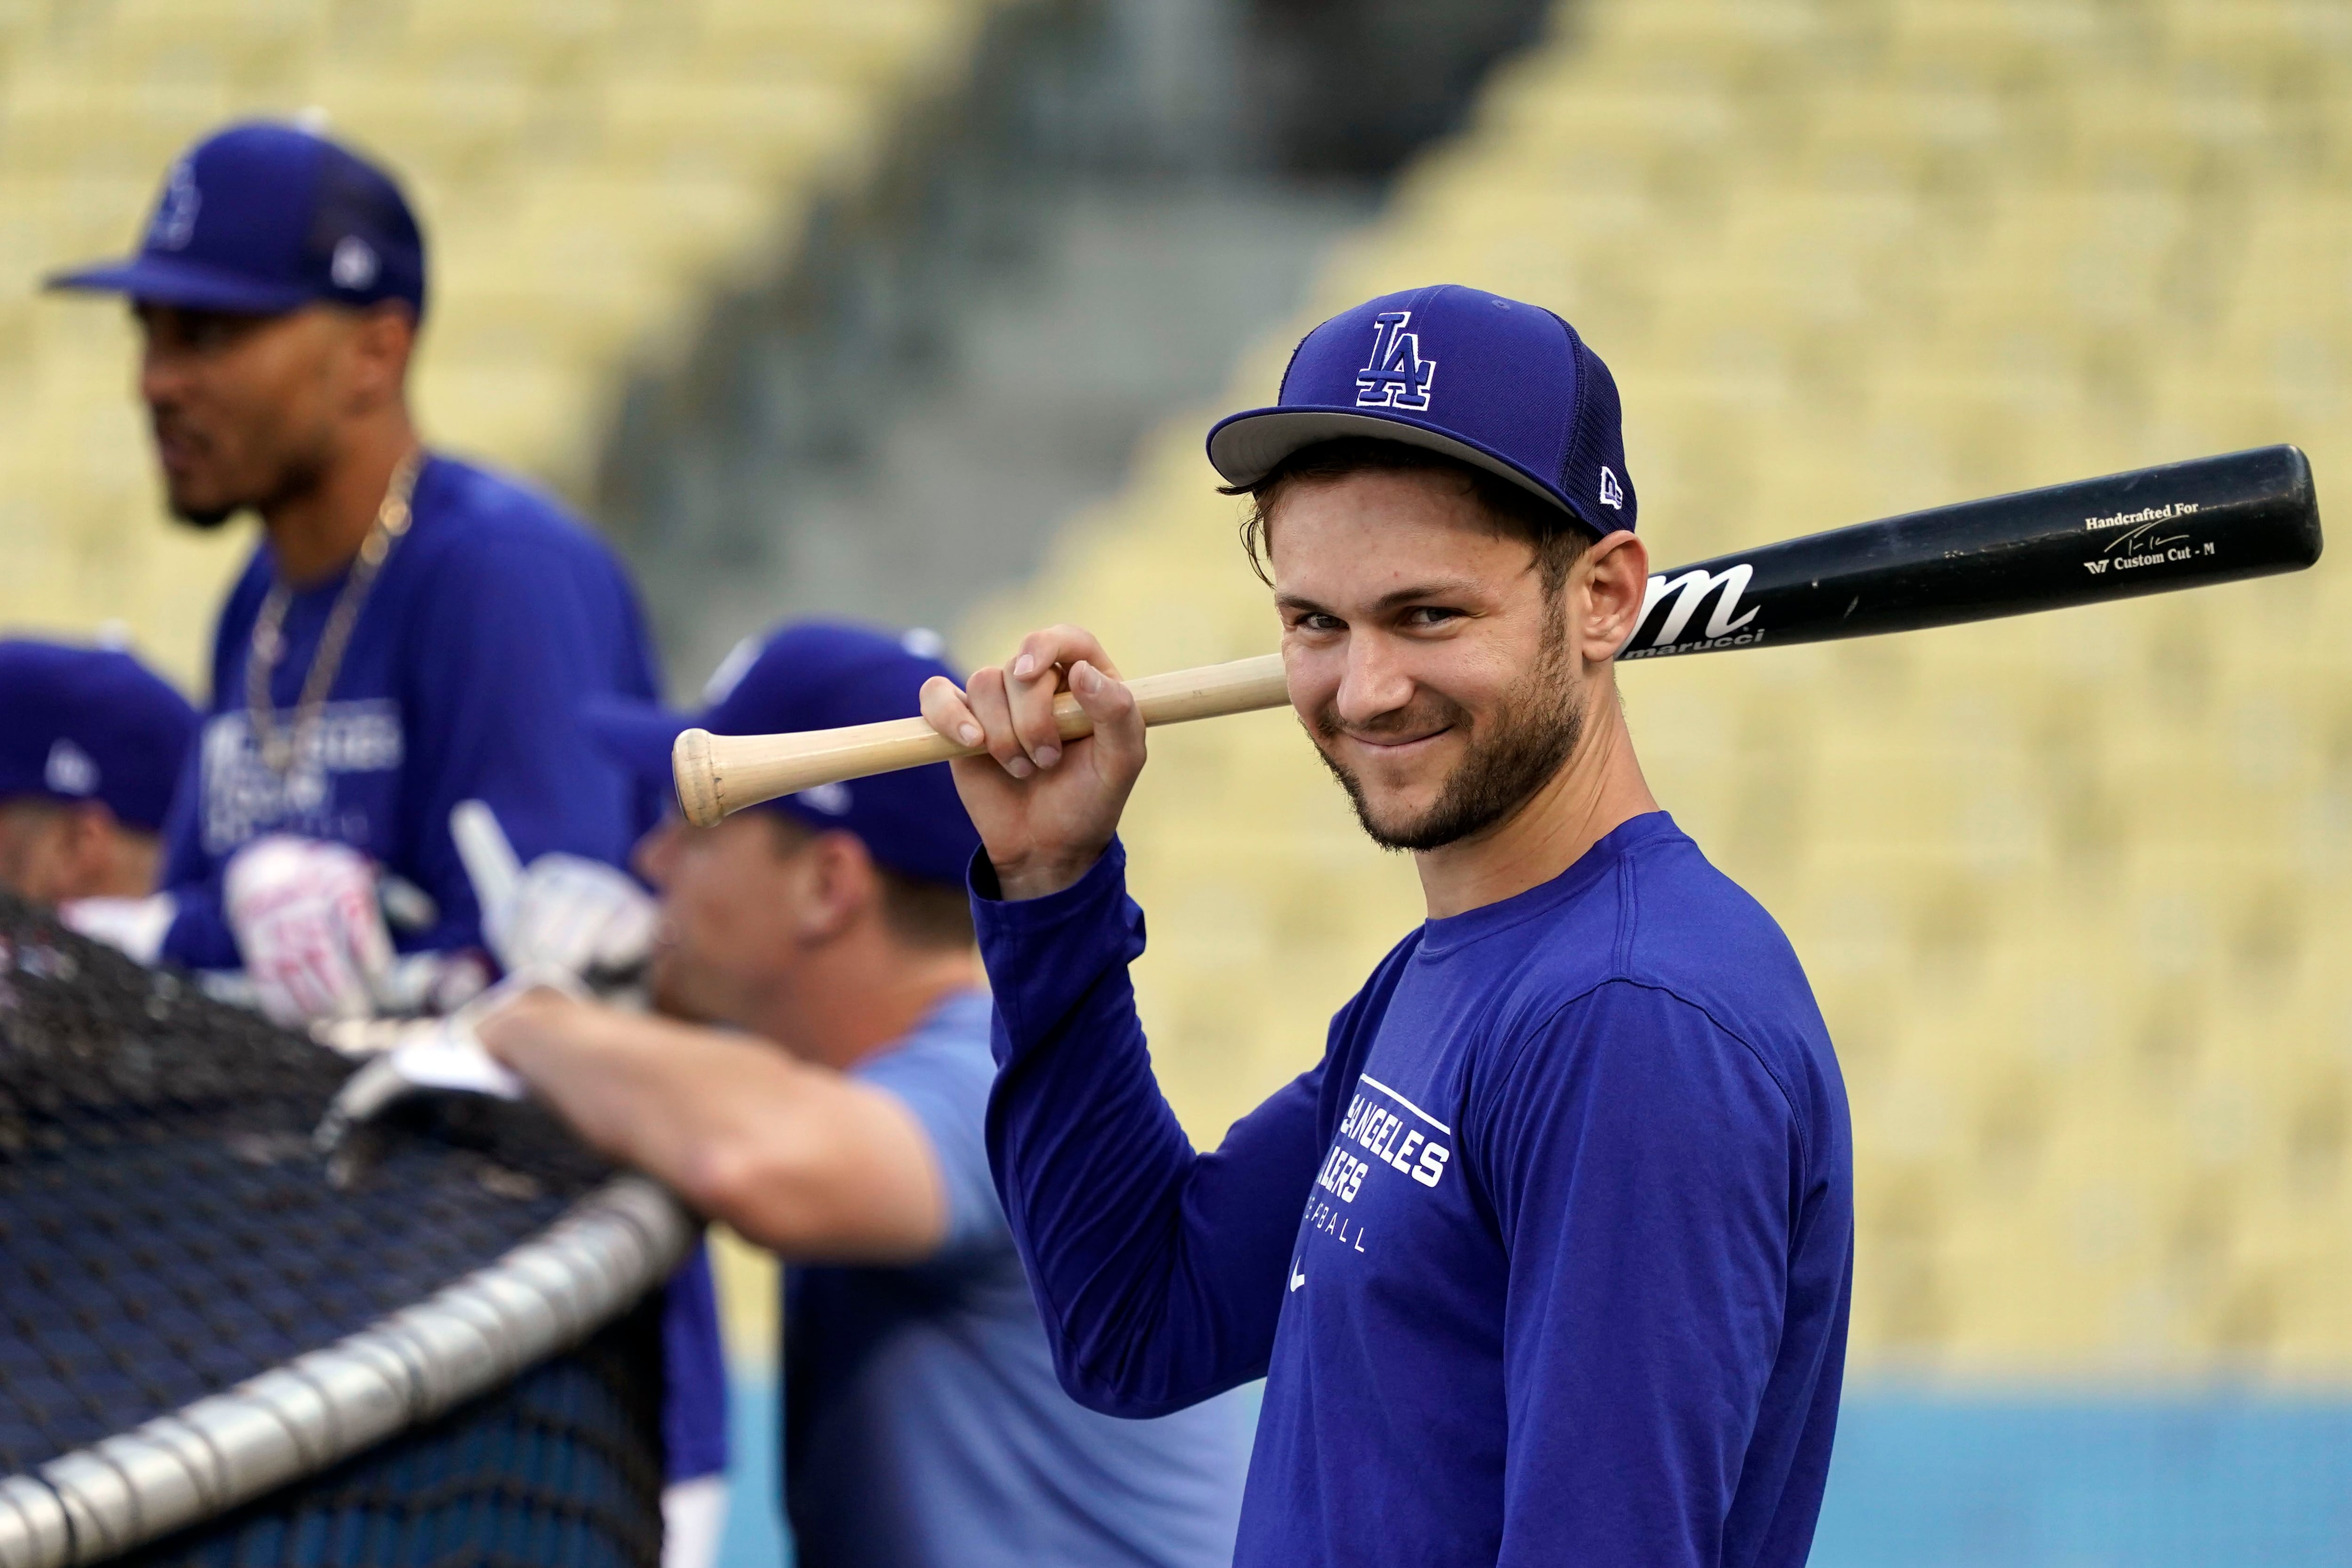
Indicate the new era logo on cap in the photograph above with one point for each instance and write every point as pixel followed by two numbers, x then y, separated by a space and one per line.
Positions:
pixel 354 265
pixel 833 799
pixel 1524 398
pixel 69 770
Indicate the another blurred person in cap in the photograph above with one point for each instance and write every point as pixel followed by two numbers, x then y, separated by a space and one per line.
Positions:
pixel 836 1113
pixel 91 742
pixel 411 632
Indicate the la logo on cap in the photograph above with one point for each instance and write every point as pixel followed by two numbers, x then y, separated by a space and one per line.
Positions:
pixel 175 215
pixel 1396 377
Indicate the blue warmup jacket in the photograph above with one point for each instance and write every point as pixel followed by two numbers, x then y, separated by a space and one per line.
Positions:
pixel 492 621
pixel 1548 1261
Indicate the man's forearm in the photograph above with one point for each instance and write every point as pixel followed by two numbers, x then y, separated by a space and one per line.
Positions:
pixel 604 1079
pixel 1158 1270
pixel 795 1157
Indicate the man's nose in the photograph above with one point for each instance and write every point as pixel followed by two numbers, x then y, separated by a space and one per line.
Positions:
pixel 162 376
pixel 656 853
pixel 1375 681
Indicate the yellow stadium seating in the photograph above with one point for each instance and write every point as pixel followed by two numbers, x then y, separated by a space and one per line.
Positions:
pixel 2070 889
pixel 587 172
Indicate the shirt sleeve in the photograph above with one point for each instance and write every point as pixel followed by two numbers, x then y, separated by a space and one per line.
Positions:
pixel 1157 1271
pixel 1644 1168
pixel 946 1089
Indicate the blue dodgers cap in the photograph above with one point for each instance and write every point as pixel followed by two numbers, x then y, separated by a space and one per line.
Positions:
pixel 822 675
pixel 263 218
pixel 1501 384
pixel 88 723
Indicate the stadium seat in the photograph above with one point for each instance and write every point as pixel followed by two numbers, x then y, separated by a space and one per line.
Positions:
pixel 587 172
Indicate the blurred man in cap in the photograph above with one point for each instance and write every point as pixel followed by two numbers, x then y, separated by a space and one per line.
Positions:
pixel 835 1113
pixel 411 632
pixel 91 742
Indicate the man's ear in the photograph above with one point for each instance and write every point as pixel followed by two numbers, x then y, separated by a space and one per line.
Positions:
pixel 841 888
pixel 1615 575
pixel 89 828
pixel 383 340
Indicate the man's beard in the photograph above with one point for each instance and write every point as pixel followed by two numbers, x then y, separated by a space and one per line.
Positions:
pixel 296 472
pixel 1535 730
pixel 204 519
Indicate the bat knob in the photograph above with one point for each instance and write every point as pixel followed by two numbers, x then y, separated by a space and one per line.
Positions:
pixel 696 778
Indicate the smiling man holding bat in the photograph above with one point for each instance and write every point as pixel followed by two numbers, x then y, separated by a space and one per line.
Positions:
pixel 1547 1259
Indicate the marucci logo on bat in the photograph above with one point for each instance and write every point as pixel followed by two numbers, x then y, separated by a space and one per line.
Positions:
pixel 1674 602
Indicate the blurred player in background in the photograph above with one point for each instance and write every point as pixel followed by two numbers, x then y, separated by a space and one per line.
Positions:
pixel 1548 1261
pixel 91 743
pixel 412 631
pixel 835 1114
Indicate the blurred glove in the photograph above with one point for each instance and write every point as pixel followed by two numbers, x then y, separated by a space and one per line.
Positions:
pixel 577 915
pixel 136 926
pixel 431 1055
pixel 308 925
pixel 562 911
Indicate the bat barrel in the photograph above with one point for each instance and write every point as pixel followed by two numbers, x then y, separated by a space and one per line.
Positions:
pixel 2183 525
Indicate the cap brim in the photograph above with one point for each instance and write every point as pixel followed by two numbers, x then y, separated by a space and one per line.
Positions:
pixel 1245 447
pixel 161 280
pixel 637 735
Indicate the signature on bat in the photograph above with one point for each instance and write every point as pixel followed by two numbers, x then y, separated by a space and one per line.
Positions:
pixel 2142 540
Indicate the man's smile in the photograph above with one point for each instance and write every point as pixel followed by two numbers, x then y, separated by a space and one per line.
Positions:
pixel 1394 747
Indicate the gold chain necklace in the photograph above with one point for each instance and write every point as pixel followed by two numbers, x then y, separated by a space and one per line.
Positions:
pixel 281 747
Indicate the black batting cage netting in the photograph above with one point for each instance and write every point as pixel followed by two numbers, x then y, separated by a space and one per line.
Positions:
pixel 220 1345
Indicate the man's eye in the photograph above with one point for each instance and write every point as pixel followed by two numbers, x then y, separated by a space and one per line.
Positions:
pixel 1429 615
pixel 1315 621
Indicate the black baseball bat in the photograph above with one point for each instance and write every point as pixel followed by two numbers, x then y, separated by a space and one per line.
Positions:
pixel 2246 514
pixel 2151 530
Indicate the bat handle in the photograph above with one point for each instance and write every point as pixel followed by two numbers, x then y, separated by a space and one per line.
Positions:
pixel 717 774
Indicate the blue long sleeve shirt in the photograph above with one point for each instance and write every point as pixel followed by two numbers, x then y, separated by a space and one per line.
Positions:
pixel 1546 1262
pixel 491 622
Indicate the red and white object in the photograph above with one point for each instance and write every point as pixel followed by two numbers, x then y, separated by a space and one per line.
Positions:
pixel 309 928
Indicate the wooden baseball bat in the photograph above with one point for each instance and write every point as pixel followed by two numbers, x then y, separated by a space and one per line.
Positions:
pixel 722 774
pixel 2182 525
